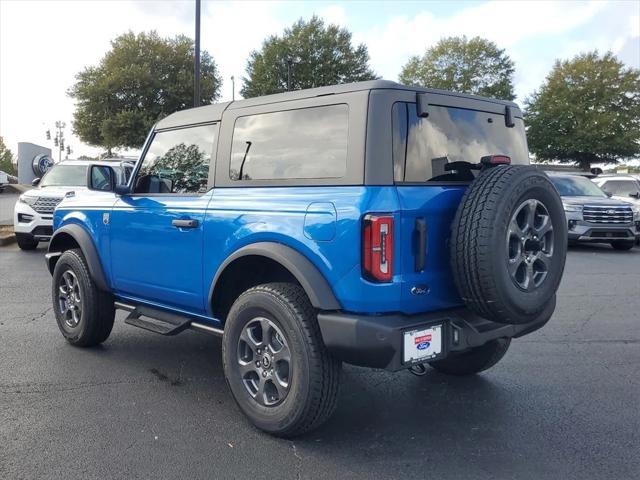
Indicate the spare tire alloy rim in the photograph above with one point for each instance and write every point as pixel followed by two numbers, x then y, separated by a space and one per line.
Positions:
pixel 264 361
pixel 69 299
pixel 530 245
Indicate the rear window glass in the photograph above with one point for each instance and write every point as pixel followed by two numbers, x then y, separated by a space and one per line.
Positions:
pixel 293 144
pixel 423 146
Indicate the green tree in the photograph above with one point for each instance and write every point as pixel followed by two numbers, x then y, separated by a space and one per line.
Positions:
pixel 323 55
pixel 587 111
pixel 458 64
pixel 140 80
pixel 6 159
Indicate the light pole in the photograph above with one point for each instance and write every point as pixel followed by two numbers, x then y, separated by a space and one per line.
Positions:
pixel 233 88
pixel 291 61
pixel 196 72
pixel 289 73
pixel 58 140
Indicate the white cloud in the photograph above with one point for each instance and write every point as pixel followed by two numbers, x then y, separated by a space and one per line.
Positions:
pixel 44 44
pixel 334 14
pixel 506 23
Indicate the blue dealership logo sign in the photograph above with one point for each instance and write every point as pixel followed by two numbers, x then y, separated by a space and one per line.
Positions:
pixel 41 164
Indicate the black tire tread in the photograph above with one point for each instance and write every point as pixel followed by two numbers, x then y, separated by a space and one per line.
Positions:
pixel 471 240
pixel 325 370
pixel 26 242
pixel 99 305
pixel 475 360
pixel 623 244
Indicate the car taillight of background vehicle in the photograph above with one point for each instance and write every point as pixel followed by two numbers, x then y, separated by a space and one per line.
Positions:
pixel 377 247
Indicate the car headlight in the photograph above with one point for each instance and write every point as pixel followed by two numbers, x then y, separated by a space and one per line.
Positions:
pixel 568 207
pixel 636 212
pixel 28 199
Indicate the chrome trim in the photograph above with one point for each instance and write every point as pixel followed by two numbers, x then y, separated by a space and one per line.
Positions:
pixel 206 328
pixel 124 306
pixel 601 214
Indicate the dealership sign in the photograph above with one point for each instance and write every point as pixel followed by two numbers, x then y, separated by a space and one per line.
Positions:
pixel 41 164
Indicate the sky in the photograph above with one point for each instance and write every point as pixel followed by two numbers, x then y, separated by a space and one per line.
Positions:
pixel 43 44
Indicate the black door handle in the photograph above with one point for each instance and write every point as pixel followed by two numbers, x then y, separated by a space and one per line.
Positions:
pixel 188 223
pixel 421 254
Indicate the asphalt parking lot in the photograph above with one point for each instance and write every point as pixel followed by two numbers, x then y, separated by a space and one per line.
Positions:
pixel 564 402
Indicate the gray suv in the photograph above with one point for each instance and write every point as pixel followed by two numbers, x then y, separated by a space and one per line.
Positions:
pixel 592 216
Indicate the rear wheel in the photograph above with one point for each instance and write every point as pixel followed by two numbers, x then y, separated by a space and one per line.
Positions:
pixel 26 241
pixel 84 313
pixel 622 245
pixel 275 363
pixel 508 244
pixel 475 360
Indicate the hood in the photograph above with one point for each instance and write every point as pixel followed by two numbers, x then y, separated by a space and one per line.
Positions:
pixel 53 191
pixel 589 200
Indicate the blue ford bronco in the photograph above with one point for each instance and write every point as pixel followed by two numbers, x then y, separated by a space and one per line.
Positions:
pixel 372 223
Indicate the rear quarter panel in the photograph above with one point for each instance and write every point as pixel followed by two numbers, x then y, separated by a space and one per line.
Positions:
pixel 298 217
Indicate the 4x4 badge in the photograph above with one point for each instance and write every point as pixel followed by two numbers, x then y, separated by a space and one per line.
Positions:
pixel 105 218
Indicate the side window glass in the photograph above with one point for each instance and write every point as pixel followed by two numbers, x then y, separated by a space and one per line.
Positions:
pixel 619 187
pixel 292 144
pixel 177 161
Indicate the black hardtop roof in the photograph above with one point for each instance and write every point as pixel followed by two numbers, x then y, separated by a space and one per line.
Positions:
pixel 214 111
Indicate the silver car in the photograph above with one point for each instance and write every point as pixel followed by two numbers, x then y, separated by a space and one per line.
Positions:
pixel 593 216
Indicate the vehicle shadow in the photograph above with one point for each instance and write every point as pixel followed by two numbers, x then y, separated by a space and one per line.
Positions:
pixel 375 408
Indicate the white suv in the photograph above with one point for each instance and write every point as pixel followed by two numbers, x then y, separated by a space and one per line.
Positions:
pixel 33 213
pixel 623 187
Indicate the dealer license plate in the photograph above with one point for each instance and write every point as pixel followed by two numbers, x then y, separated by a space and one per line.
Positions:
pixel 423 344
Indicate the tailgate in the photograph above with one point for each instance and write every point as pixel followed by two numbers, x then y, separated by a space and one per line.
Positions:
pixel 427 281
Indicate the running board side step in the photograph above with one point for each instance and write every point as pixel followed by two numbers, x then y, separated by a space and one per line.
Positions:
pixel 162 322
pixel 157 321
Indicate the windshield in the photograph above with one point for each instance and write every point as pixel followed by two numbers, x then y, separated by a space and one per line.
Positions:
pixel 576 187
pixel 65 176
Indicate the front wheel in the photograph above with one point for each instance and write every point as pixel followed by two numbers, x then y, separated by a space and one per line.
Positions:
pixel 84 313
pixel 26 241
pixel 622 245
pixel 275 363
pixel 474 360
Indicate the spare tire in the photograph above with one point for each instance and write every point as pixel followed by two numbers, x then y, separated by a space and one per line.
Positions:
pixel 508 244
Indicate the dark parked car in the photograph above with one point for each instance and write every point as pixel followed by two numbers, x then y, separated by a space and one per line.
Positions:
pixel 593 216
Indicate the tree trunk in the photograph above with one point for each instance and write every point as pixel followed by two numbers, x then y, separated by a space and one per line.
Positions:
pixel 585 165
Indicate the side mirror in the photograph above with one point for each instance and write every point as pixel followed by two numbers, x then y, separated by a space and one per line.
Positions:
pixel 609 194
pixel 635 195
pixel 35 181
pixel 101 178
pixel 122 189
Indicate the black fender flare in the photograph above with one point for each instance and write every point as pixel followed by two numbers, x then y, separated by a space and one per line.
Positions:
pixel 83 239
pixel 306 273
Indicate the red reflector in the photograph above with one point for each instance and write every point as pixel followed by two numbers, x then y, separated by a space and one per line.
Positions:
pixel 496 160
pixel 377 247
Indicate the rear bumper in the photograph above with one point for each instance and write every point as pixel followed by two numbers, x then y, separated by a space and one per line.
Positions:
pixel 377 341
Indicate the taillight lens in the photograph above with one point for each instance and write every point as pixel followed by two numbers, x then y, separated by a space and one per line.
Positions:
pixel 377 247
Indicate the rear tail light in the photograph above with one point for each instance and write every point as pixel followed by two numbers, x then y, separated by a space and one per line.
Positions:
pixel 377 247
pixel 496 160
